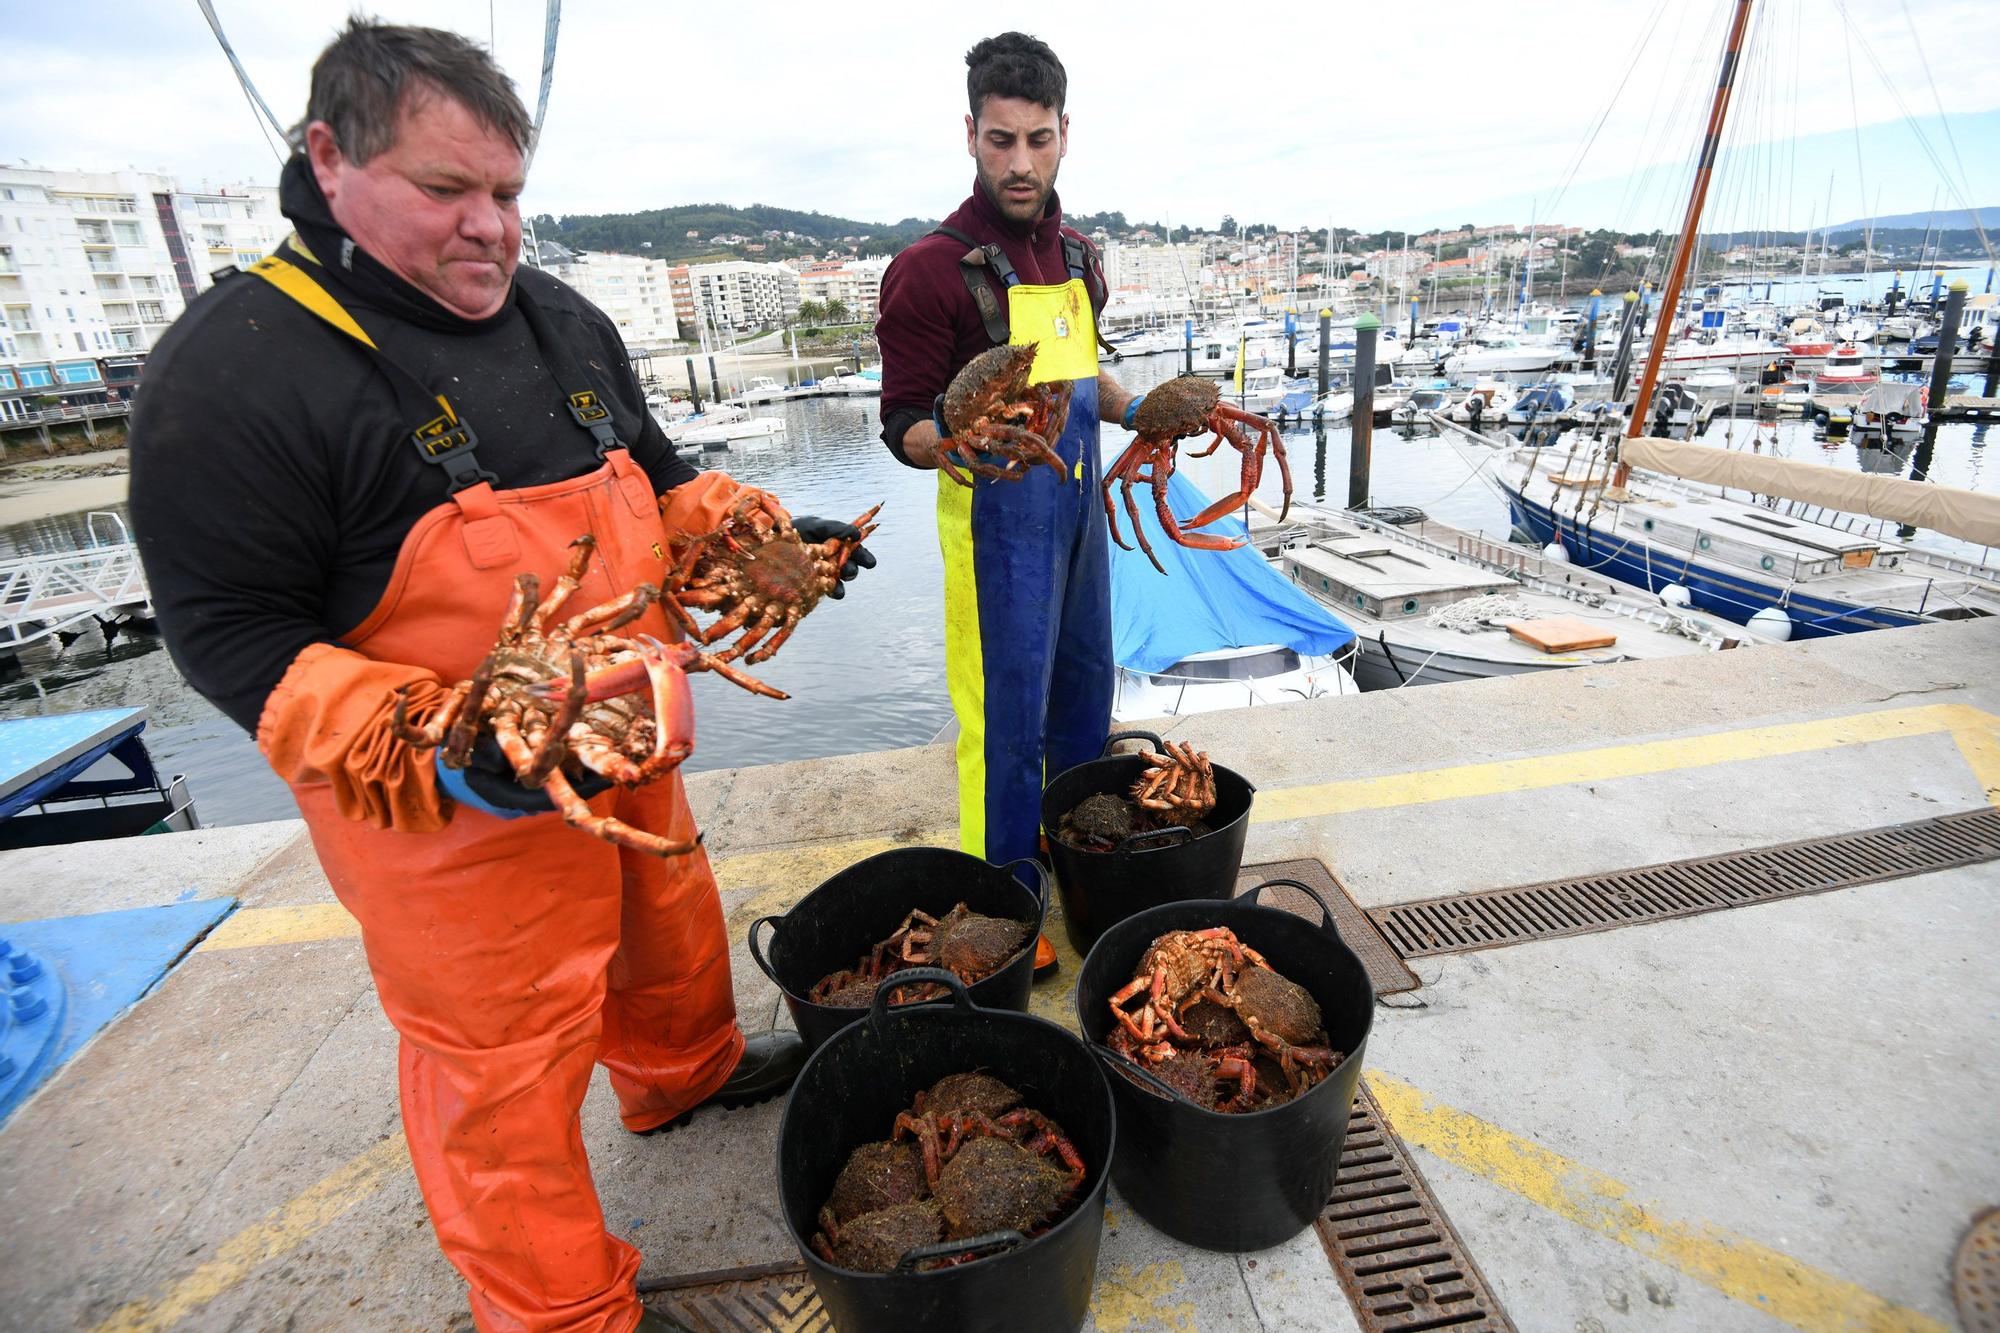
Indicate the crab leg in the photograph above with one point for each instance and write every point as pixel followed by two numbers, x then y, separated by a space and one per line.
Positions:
pixel 578 814
pixel 465 728
pixel 572 577
pixel 1201 541
pixel 432 732
pixel 614 613
pixel 549 752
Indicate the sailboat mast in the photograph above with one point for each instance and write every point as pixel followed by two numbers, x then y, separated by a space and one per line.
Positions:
pixel 1690 237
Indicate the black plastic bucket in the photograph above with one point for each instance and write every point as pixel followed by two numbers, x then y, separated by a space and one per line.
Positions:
pixel 1147 869
pixel 831 927
pixel 1232 1182
pixel 850 1092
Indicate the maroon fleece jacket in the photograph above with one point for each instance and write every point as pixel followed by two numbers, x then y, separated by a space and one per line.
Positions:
pixel 929 327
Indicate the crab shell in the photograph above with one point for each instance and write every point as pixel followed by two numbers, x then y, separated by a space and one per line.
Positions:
pixel 1176 409
pixel 997 375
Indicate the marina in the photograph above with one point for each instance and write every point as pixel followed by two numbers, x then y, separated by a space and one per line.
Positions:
pixel 1311 997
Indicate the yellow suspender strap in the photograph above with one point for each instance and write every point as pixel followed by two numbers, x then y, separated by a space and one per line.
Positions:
pixel 296 283
pixel 301 286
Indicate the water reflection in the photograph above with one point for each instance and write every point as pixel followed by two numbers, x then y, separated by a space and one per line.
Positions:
pixel 866 672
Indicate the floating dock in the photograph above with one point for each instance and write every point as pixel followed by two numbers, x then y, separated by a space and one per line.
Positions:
pixel 1749 1087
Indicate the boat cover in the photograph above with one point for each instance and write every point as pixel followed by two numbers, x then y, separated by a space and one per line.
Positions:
pixel 1905 400
pixel 1969 515
pixel 1207 600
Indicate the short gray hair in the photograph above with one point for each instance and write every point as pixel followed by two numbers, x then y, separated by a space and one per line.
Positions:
pixel 361 82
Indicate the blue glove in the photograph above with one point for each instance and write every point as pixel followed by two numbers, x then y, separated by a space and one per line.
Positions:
pixel 1131 410
pixel 487 784
pixel 937 419
pixel 813 530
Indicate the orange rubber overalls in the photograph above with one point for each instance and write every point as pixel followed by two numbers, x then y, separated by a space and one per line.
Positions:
pixel 513 955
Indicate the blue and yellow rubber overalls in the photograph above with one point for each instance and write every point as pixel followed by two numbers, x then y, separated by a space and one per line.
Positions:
pixel 1028 590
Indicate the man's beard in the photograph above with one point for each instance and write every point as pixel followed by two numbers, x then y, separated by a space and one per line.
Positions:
pixel 996 193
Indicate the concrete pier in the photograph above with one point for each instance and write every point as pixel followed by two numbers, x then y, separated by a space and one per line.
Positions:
pixel 1781 1114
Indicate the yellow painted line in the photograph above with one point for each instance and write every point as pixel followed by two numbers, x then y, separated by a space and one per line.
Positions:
pixel 1635 759
pixel 788 874
pixel 283 925
pixel 1979 741
pixel 1737 1266
pixel 281 1231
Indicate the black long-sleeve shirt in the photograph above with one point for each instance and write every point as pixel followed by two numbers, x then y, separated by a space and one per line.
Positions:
pixel 273 478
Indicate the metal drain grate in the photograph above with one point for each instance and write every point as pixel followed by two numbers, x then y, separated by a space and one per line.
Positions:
pixel 1385 970
pixel 1404 1267
pixel 1579 906
pixel 742 1300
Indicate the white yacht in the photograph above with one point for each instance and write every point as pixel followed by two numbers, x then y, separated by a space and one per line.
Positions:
pixel 761 389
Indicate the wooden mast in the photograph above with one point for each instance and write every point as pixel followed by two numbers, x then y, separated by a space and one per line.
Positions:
pixel 1690 236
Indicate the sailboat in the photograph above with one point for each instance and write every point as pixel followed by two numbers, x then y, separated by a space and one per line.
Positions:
pixel 1702 526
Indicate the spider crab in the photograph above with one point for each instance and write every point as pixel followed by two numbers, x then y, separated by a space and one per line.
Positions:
pixel 758 576
pixel 991 408
pixel 1177 409
pixel 561 696
pixel 1178 787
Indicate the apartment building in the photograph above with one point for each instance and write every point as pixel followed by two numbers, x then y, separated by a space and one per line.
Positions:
pixel 95 265
pixel 855 283
pixel 1166 271
pixel 744 296
pixel 635 291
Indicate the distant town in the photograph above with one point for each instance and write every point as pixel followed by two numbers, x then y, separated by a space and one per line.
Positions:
pixel 95 265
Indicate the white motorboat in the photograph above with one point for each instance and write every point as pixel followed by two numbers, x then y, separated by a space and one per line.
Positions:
pixel 1494 396
pixel 1147 342
pixel 1493 354
pixel 719 426
pixel 1338 405
pixel 1731 351
pixel 1846 368
pixel 1262 391
pixel 1431 604
pixel 1265 673
pixel 1716 384
pixel 847 384
pixel 1856 328
pixel 1891 411
pixel 1906 328
pixel 666 409
pixel 761 389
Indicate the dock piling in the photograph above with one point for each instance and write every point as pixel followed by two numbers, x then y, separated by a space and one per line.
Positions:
pixel 1362 430
pixel 1589 361
pixel 1621 372
pixel 1325 351
pixel 694 385
pixel 714 382
pixel 1954 311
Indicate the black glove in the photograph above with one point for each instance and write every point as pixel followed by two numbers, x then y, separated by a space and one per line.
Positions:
pixel 487 783
pixel 813 531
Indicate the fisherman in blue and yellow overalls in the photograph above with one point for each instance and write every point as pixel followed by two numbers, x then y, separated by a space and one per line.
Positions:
pixel 1027 582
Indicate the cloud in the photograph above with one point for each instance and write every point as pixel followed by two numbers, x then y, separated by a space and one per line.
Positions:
pixel 1301 115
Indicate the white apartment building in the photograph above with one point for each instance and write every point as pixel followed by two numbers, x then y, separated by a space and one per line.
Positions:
pixel 95 265
pixel 855 283
pixel 635 291
pixel 1165 271
pixel 737 294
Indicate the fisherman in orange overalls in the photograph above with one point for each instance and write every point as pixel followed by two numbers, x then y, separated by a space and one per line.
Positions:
pixel 339 464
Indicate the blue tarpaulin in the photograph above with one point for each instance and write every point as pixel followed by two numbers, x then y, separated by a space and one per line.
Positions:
pixel 1207 600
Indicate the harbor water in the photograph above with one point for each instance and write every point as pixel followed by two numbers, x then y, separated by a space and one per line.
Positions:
pixel 867 672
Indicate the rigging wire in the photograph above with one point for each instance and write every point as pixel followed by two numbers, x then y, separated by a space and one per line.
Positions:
pixel 1951 141
pixel 552 21
pixel 250 92
pixel 1923 140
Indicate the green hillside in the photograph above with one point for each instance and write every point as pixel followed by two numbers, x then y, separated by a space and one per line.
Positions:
pixel 663 232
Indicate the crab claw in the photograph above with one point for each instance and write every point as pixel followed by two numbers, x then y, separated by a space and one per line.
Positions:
pixel 673 702
pixel 624 678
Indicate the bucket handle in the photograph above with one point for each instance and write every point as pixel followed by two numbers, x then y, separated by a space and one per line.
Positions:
pixel 972 1247
pixel 1133 735
pixel 1042 882
pixel 1308 890
pixel 757 948
pixel 1130 842
pixel 910 976
pixel 1150 1083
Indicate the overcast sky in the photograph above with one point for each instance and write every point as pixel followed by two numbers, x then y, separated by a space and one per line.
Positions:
pixel 1359 115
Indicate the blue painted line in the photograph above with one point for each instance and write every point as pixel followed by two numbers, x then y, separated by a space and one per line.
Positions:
pixel 87 970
